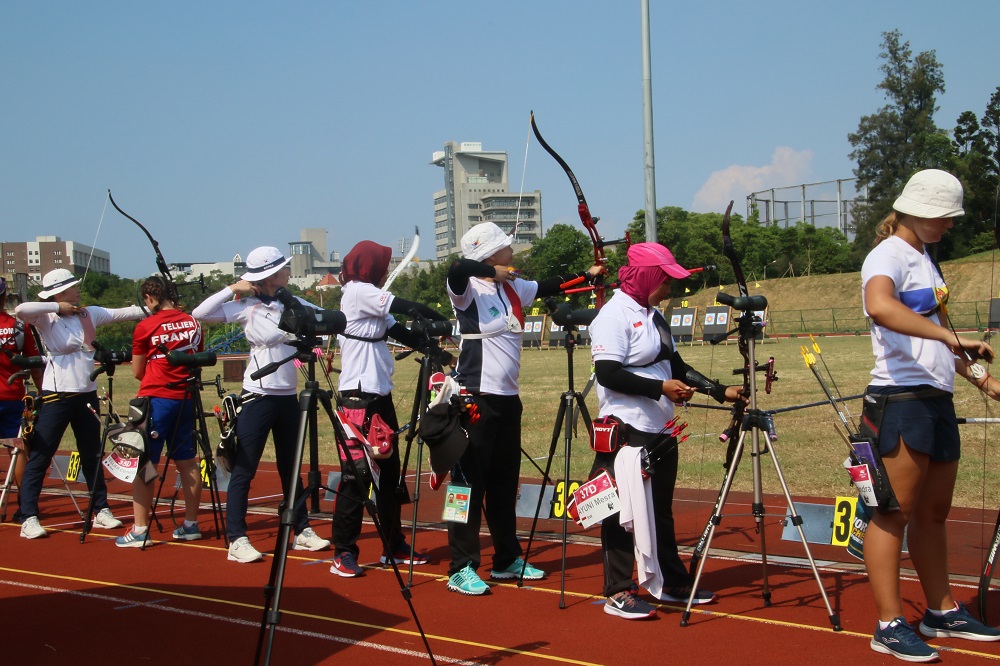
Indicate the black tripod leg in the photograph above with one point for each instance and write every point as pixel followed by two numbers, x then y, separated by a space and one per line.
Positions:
pixel 211 470
pixel 92 483
pixel 561 415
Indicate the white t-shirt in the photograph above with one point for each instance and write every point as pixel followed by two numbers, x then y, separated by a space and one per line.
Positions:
pixel 368 364
pixel 67 341
pixel 267 341
pixel 624 331
pixel 903 360
pixel 490 364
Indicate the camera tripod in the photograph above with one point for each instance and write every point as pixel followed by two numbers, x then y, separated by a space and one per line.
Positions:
pixel 310 399
pixel 570 401
pixel 421 399
pixel 192 392
pixel 755 423
pixel 110 418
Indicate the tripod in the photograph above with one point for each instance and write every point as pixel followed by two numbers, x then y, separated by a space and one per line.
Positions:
pixel 192 392
pixel 309 399
pixel 108 365
pixel 421 398
pixel 565 422
pixel 754 422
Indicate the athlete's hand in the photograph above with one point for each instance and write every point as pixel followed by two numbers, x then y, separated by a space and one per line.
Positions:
pixel 244 288
pixel 677 391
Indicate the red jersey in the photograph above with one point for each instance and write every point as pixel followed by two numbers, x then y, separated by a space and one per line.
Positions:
pixel 173 330
pixel 15 338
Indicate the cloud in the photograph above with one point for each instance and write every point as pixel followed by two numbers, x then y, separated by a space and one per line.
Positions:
pixel 736 182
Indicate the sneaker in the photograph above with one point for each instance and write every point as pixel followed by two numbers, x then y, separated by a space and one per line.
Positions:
pixel 32 529
pixel 957 624
pixel 514 571
pixel 405 555
pixel 105 521
pixel 899 640
pixel 132 539
pixel 467 581
pixel 307 539
pixel 241 551
pixel 346 565
pixel 680 595
pixel 628 605
pixel 185 533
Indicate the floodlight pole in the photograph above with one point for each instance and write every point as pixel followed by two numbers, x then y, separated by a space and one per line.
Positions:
pixel 649 167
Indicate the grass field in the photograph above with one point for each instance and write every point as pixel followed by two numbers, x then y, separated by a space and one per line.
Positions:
pixel 808 449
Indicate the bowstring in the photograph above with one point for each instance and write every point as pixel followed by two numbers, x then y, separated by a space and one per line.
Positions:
pixel 94 244
pixel 520 191
pixel 986 397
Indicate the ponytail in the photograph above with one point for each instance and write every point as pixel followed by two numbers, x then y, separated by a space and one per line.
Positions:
pixel 887 227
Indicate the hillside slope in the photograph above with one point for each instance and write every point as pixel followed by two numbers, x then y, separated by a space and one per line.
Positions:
pixel 973 278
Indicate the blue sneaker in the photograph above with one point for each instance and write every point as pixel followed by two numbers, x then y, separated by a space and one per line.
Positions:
pixel 628 605
pixel 185 533
pixel 514 571
pixel 957 624
pixel 467 581
pixel 899 640
pixel 132 540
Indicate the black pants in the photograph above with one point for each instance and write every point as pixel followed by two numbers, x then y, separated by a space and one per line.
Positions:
pixel 618 546
pixel 349 511
pixel 492 468
pixel 54 415
pixel 278 415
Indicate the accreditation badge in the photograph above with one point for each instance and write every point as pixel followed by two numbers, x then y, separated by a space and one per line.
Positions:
pixel 456 504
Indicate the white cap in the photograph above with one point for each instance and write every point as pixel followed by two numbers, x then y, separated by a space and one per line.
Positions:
pixel 931 194
pixel 484 240
pixel 57 281
pixel 263 262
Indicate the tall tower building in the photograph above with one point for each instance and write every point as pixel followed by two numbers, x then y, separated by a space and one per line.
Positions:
pixel 476 190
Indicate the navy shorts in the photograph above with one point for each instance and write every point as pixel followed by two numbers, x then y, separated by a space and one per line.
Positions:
pixel 177 434
pixel 10 417
pixel 927 425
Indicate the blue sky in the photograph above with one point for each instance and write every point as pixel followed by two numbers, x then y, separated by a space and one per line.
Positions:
pixel 227 125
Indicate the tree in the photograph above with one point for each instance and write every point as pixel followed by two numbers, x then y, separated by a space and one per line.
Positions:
pixel 901 137
pixel 975 164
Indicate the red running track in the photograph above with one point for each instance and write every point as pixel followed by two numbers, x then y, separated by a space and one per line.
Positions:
pixel 67 602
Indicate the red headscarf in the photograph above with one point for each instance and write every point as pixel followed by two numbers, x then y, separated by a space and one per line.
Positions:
pixel 649 264
pixel 366 262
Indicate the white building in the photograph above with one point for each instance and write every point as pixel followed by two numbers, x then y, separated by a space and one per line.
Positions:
pixel 476 190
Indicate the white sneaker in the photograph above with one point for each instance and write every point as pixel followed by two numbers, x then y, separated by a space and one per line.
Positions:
pixel 307 539
pixel 241 551
pixel 105 521
pixel 32 529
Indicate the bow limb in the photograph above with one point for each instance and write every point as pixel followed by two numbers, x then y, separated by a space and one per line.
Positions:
pixel 588 220
pixel 161 263
pixel 406 260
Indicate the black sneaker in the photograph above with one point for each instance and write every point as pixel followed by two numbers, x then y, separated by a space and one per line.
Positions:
pixel 957 624
pixel 680 595
pixel 899 640
pixel 628 605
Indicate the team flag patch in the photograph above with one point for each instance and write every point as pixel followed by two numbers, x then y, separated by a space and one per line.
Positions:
pixel 637 324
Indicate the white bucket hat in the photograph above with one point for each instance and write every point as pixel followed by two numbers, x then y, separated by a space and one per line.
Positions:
pixel 484 240
pixel 931 194
pixel 263 262
pixel 57 281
